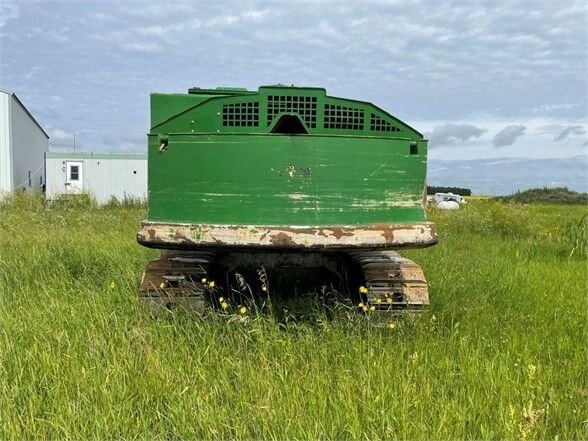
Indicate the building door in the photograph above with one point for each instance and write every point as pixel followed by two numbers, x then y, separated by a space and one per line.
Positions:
pixel 74 177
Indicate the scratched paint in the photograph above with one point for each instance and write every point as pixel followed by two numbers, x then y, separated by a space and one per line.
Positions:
pixel 369 204
pixel 225 182
pixel 298 196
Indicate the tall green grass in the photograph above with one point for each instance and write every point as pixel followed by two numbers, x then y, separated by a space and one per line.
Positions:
pixel 501 353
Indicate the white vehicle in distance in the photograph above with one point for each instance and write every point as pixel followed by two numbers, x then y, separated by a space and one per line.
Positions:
pixel 449 201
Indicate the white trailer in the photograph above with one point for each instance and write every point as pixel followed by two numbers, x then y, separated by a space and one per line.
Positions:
pixel 23 142
pixel 103 176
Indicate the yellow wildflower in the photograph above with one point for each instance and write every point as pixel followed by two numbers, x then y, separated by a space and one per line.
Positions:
pixel 263 288
pixel 372 308
pixel 391 325
pixel 112 285
pixel 161 285
pixel 211 283
pixel 221 299
pixel 389 300
pixel 365 308
pixel 242 310
pixel 378 301
pixel 363 290
pixel 203 280
pixel 360 304
pixel 224 305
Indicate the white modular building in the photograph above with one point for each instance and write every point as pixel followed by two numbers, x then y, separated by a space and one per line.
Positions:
pixel 103 176
pixel 23 143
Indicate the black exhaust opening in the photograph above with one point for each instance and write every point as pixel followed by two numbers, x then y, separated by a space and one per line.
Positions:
pixel 290 125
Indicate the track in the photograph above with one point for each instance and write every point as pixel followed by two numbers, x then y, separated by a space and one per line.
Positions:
pixel 392 281
pixel 180 279
pixel 177 279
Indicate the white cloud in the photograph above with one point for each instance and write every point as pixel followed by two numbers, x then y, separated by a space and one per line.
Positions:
pixel 8 11
pixel 141 46
pixel 555 107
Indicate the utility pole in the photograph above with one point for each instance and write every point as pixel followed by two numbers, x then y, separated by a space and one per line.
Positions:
pixel 74 142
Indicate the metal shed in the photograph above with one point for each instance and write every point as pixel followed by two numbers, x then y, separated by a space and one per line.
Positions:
pixel 103 176
pixel 23 143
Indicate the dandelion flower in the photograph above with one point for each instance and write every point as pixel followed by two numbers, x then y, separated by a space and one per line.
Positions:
pixel 365 308
pixel 263 288
pixel 242 310
pixel 112 285
pixel 203 280
pixel 211 283
pixel 221 299
pixel 391 325
pixel 378 301
pixel 363 290
pixel 372 308
pixel 388 300
pixel 161 285
pixel 361 305
pixel 224 305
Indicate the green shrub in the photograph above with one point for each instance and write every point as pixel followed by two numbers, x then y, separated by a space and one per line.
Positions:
pixel 560 195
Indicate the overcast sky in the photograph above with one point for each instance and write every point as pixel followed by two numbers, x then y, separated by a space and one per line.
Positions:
pixel 483 80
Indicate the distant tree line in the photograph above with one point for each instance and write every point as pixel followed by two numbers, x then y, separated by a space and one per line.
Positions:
pixel 431 189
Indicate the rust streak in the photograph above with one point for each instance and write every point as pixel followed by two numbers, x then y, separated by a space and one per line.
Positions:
pixel 338 233
pixel 388 234
pixel 310 231
pixel 282 239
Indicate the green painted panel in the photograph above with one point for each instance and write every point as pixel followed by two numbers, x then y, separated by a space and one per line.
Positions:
pixel 274 179
pixel 258 112
pixel 165 106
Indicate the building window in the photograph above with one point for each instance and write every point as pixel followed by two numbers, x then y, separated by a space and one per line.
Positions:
pixel 74 173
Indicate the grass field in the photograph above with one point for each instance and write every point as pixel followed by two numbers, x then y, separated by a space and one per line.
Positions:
pixel 501 354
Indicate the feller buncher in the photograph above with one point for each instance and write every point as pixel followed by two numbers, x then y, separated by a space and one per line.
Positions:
pixel 281 187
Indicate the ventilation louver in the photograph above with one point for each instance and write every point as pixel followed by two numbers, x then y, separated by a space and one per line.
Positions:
pixel 381 125
pixel 241 114
pixel 340 117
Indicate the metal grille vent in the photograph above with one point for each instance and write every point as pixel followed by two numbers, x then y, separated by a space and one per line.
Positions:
pixel 340 117
pixel 305 106
pixel 241 115
pixel 381 125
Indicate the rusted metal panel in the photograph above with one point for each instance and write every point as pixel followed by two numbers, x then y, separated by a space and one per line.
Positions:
pixel 194 236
